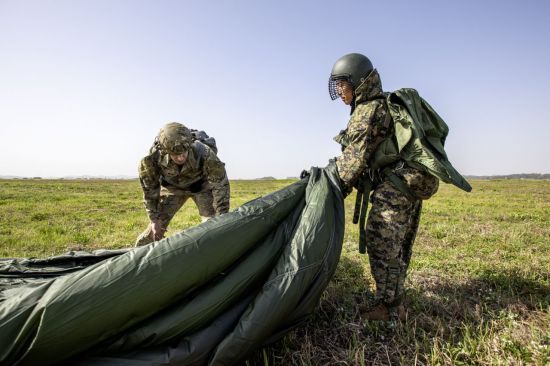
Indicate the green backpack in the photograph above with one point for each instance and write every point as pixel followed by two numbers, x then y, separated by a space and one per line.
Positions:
pixel 419 138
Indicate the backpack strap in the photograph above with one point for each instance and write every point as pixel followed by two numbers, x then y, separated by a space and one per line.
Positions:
pixel 200 151
pixel 384 98
pixel 399 184
pixel 388 171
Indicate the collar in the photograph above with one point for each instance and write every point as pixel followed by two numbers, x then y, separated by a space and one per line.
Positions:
pixel 370 89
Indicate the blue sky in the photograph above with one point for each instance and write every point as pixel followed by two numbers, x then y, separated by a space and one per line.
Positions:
pixel 86 85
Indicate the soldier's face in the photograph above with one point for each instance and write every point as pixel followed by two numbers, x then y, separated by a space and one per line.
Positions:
pixel 345 91
pixel 179 159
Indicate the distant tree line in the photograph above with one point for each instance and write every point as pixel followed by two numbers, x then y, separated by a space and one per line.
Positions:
pixel 510 176
pixel 87 177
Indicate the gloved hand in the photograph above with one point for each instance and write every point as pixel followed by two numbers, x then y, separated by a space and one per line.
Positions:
pixel 304 173
pixel 157 229
pixel 345 189
pixel 343 186
pixel 342 139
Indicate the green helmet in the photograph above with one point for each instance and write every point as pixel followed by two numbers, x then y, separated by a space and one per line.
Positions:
pixel 174 138
pixel 353 68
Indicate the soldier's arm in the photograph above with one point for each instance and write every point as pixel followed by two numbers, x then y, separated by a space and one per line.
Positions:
pixel 214 170
pixel 149 177
pixel 364 133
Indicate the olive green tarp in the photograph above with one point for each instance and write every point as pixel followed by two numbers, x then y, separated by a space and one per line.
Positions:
pixel 208 295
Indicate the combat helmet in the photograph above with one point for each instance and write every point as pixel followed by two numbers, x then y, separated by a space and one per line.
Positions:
pixel 353 68
pixel 174 138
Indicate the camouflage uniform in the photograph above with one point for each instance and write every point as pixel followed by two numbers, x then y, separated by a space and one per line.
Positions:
pixel 167 186
pixel 394 216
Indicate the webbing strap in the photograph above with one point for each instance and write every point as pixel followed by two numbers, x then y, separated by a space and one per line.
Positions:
pixel 363 216
pixel 358 199
pixel 360 212
pixel 399 184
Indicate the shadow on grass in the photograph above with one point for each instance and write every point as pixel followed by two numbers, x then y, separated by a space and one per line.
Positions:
pixel 442 309
pixel 476 300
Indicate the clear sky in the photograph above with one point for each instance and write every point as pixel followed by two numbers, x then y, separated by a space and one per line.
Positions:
pixel 86 85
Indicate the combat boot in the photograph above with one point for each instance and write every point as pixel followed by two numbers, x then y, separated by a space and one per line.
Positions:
pixel 384 313
pixel 144 238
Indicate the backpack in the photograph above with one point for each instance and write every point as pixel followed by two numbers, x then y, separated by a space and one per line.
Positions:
pixel 419 138
pixel 203 137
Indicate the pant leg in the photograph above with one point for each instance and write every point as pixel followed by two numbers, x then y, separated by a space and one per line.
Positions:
pixel 390 227
pixel 410 236
pixel 171 200
pixel 424 186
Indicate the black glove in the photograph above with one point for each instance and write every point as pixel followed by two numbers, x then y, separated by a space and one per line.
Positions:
pixel 345 189
pixel 304 174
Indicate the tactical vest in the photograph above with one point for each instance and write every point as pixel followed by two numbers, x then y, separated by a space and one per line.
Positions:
pixel 418 139
pixel 195 184
pixel 200 151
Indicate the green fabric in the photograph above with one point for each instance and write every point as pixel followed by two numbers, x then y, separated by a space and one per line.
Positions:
pixel 207 295
pixel 419 138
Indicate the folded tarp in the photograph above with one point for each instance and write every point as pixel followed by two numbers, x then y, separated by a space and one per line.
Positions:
pixel 208 295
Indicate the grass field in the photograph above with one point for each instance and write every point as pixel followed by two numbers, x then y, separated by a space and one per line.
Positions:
pixel 478 285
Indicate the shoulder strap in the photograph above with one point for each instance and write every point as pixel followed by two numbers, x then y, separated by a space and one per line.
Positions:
pixel 200 151
pixel 387 120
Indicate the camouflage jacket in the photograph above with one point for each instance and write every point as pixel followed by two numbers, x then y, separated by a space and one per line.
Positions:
pixel 202 169
pixel 365 131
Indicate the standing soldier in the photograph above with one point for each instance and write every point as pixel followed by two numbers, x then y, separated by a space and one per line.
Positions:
pixel 397 188
pixel 179 167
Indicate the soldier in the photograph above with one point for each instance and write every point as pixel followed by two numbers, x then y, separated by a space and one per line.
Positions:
pixel 179 167
pixel 396 194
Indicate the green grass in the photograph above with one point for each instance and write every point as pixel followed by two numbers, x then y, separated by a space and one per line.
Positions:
pixel 478 286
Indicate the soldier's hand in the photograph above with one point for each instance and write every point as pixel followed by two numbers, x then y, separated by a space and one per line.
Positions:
pixel 346 190
pixel 157 229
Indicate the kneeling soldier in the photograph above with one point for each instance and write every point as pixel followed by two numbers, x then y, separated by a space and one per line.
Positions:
pixel 179 167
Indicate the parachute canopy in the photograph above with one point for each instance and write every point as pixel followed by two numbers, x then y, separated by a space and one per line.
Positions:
pixel 208 295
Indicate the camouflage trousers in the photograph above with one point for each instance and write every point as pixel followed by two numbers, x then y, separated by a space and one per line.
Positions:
pixel 171 200
pixel 391 230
